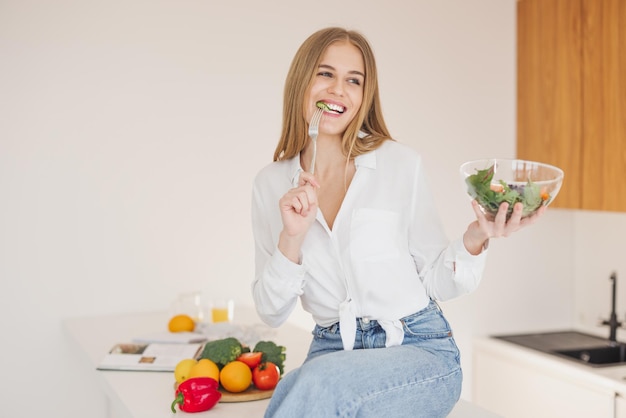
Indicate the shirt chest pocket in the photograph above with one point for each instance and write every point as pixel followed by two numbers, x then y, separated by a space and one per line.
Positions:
pixel 374 235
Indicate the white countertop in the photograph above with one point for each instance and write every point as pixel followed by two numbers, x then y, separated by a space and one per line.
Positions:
pixel 609 378
pixel 150 394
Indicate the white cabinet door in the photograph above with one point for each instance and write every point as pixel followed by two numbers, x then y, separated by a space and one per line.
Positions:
pixel 514 389
pixel 620 407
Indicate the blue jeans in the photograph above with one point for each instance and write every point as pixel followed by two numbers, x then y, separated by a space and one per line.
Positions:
pixel 420 378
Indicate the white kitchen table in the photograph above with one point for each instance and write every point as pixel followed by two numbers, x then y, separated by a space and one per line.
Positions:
pixel 150 394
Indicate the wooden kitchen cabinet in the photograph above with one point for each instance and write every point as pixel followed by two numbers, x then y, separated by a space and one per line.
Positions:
pixel 572 96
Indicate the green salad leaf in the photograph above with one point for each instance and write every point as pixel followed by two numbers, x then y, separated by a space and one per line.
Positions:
pixel 480 188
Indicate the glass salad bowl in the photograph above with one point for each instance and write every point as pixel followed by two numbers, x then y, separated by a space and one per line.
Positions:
pixel 492 181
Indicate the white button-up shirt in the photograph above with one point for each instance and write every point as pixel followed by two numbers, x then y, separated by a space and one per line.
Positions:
pixel 385 258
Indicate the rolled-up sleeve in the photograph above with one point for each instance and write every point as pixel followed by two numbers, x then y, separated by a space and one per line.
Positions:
pixel 278 281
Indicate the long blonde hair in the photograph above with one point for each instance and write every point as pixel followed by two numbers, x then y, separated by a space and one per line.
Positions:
pixel 303 68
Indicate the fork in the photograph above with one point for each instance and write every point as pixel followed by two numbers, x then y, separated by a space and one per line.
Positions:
pixel 313 131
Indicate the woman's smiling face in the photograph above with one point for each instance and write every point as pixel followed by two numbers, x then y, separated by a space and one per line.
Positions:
pixel 338 83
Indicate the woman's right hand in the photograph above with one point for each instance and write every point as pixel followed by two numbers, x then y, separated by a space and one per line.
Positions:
pixel 298 209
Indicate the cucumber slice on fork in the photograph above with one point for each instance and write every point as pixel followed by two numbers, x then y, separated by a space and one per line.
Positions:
pixel 322 106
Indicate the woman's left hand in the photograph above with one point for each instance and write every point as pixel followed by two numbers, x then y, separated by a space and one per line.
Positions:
pixel 482 229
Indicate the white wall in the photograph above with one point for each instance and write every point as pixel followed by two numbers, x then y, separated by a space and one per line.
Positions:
pixel 130 131
pixel 599 250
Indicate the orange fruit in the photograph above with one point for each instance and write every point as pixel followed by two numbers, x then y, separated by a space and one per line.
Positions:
pixel 183 369
pixel 181 323
pixel 205 368
pixel 236 376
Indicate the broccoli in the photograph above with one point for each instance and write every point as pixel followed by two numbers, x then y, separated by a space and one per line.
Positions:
pixel 222 352
pixel 272 353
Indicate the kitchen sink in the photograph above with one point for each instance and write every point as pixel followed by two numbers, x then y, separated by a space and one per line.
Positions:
pixel 598 355
pixel 576 346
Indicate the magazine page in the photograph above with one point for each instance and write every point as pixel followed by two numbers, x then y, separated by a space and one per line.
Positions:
pixel 148 357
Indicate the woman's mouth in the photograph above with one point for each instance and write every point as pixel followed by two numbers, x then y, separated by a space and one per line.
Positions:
pixel 331 107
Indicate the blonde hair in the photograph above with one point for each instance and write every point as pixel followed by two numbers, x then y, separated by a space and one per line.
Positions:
pixel 369 119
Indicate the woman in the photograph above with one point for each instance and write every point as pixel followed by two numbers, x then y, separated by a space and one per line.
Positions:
pixel 362 247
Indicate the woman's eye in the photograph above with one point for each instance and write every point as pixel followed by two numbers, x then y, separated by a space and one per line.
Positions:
pixel 325 74
pixel 355 81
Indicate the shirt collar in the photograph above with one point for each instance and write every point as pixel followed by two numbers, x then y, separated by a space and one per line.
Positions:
pixel 294 170
pixel 367 160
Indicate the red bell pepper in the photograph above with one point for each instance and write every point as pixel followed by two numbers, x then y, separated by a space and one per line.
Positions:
pixel 197 394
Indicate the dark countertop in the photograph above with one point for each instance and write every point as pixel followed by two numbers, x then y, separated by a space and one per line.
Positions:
pixel 591 350
pixel 555 341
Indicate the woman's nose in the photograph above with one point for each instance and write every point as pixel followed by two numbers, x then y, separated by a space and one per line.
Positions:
pixel 336 88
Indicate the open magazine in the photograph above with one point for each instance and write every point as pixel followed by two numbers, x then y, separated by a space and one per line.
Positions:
pixel 162 351
pixel 156 357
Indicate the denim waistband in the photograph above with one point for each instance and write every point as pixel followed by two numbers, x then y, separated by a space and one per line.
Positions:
pixel 365 324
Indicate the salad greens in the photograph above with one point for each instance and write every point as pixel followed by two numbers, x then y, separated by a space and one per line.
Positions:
pixel 490 196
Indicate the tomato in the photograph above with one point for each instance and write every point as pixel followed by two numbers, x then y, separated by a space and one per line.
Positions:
pixel 265 376
pixel 251 359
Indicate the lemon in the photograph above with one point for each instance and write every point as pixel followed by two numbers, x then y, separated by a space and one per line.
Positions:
pixel 181 323
pixel 205 368
pixel 183 369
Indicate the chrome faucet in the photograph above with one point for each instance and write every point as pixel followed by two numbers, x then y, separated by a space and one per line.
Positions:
pixel 612 322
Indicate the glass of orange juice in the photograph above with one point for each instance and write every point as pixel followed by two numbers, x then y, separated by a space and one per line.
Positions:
pixel 189 304
pixel 222 310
